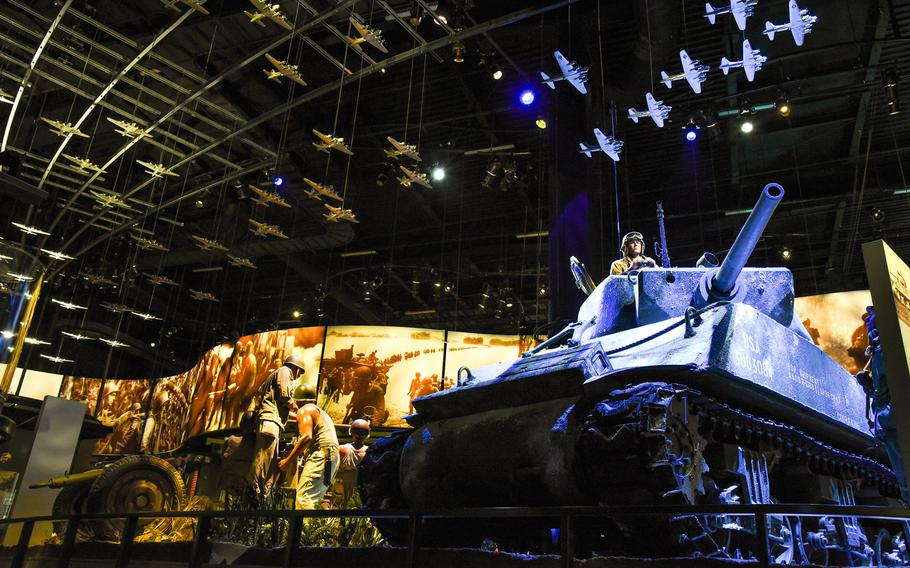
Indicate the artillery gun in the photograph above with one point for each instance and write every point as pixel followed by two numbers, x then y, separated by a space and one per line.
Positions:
pixel 675 386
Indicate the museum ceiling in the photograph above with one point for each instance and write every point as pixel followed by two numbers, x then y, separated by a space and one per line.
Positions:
pixel 195 95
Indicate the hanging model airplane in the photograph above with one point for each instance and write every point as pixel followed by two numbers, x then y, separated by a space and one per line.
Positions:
pixel 319 191
pixel 68 305
pixel 241 262
pixel 606 144
pixel 751 62
pixel 64 128
pixel 83 164
pixel 29 230
pixel 571 72
pixel 741 10
pixel 202 296
pixel 6 97
pixel 657 110
pixel 98 279
pixel 402 149
pixel 261 229
pixel 149 244
pixel 159 280
pixel 128 129
pixel 77 336
pixel 266 198
pixel 35 341
pixel 330 142
pixel 412 177
pixel 55 359
pixel 800 24
pixel 283 69
pixel 172 4
pixel 19 277
pixel 270 11
pixel 113 342
pixel 145 315
pixel 157 170
pixel 57 255
pixel 208 244
pixel 336 214
pixel 368 35
pixel 693 72
pixel 109 199
pixel 116 308
pixel 4 258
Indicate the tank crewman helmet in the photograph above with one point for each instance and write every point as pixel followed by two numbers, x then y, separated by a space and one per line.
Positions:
pixel 304 392
pixel 294 361
pixel 633 236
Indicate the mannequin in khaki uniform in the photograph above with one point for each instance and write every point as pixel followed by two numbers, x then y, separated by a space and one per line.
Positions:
pixel 273 410
pixel 633 255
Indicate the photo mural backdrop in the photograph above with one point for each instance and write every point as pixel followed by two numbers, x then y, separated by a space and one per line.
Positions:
pixel 473 350
pixel 835 323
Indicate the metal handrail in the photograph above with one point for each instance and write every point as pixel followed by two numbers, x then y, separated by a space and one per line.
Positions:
pixel 566 516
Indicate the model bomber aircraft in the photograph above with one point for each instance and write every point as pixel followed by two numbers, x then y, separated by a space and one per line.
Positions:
pixel 270 11
pixel 172 4
pixel 149 244
pixel 109 199
pixel 55 359
pixel 116 308
pixel 330 142
pixel 57 255
pixel 35 341
pixel 128 129
pixel 19 277
pixel 800 24
pixel 208 244
pixel 241 262
pixel 741 10
pixel 29 230
pixel 283 68
pixel 571 72
pixel 145 315
pixel 411 177
pixel 751 62
pixel 98 279
pixel 64 128
pixel 84 164
pixel 267 198
pixel 693 72
pixel 657 110
pixel 367 34
pixel 402 149
pixel 336 214
pixel 77 336
pixel 319 191
pixel 156 170
pixel 68 305
pixel 202 296
pixel 606 144
pixel 261 229
pixel 113 342
pixel 159 280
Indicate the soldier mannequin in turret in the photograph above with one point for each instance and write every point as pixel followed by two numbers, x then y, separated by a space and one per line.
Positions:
pixel 633 255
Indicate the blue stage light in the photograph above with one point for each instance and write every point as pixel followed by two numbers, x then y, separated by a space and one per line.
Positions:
pixel 526 97
pixel 691 132
pixel 278 181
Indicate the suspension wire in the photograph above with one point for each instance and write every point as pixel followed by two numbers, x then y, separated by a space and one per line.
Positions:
pixel 799 189
pixel 650 56
pixel 344 66
pixel 858 200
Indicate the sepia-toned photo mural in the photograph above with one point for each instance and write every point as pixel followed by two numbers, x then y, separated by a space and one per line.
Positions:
pixel 473 350
pixel 165 426
pixel 124 404
pixel 81 389
pixel 834 321
pixel 206 410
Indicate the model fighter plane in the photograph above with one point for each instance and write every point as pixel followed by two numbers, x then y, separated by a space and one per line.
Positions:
pixel 271 11
pixel 208 244
pixel 157 170
pixel 172 4
pixel 571 72
pixel 149 244
pixel 261 229
pixel 283 69
pixel 319 191
pixel 116 308
pixel 83 164
pixel 402 149
pixel 202 296
pixel 330 142
pixel 411 177
pixel 241 262
pixel 266 198
pixel 128 129
pixel 336 214
pixel 800 24
pixel 606 144
pixel 751 62
pixel 693 72
pixel 741 10
pixel 159 280
pixel 368 35
pixel 657 110
pixel 64 128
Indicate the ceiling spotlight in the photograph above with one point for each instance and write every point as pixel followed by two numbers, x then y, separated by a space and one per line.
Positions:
pixel 541 122
pixel 448 288
pixel 278 181
pixel 497 73
pixel 526 97
pixel 458 50
pixel 786 253
pixel 746 127
pixel 877 215
pixel 782 104
pixel 691 131
pixel 296 314
pixel 200 204
pixel 438 173
pixel 542 290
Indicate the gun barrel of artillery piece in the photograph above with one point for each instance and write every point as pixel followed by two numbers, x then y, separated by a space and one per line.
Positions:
pixel 74 479
pixel 736 259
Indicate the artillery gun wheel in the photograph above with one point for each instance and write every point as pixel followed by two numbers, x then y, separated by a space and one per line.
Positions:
pixel 136 483
pixel 70 501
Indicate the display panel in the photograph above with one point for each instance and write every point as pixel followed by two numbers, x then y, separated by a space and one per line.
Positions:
pixel 83 390
pixel 257 356
pixel 38 384
pixel 474 350
pixel 834 321
pixel 123 407
pixel 370 371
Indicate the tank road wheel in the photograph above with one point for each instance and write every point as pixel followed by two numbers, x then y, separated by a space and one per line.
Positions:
pixel 70 501
pixel 136 483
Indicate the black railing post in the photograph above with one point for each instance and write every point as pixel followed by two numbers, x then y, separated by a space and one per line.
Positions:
pixel 761 537
pixel 22 547
pixel 414 521
pixel 127 535
pixel 69 540
pixel 199 540
pixel 295 526
pixel 566 543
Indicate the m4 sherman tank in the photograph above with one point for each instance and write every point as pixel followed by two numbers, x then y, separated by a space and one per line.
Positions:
pixel 675 386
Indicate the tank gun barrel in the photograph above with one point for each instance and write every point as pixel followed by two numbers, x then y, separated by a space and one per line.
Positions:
pixel 64 480
pixel 725 278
